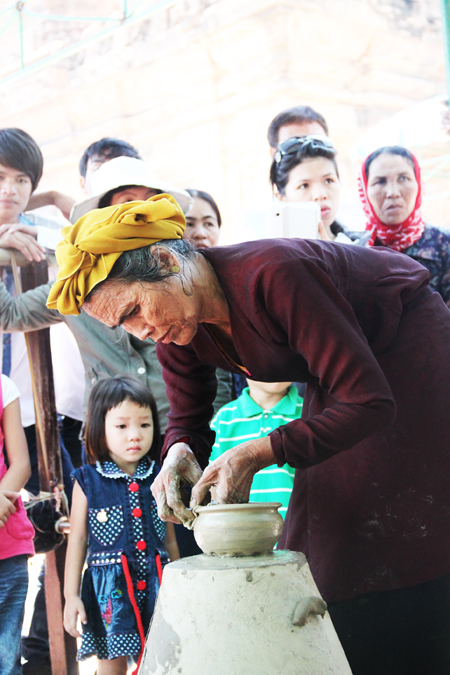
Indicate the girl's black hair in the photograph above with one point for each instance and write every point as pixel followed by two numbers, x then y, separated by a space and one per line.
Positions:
pixel 389 150
pixel 107 394
pixel 280 171
pixel 21 152
pixel 201 194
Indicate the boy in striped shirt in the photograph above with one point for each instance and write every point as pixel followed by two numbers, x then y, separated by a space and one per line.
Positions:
pixel 261 408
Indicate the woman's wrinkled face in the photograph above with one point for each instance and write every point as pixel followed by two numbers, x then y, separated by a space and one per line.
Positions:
pixel 315 180
pixel 202 226
pixel 161 310
pixel 392 188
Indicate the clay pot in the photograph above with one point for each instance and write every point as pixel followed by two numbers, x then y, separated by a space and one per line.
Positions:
pixel 238 529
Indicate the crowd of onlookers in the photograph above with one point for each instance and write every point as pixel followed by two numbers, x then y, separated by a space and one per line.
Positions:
pixel 304 168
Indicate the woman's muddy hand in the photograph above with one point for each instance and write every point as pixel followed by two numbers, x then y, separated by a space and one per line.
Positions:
pixel 231 474
pixel 180 468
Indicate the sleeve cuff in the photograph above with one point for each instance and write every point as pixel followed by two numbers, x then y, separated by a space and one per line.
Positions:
pixel 277 447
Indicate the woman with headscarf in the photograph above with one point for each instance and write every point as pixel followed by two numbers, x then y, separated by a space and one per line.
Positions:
pixel 371 505
pixel 390 189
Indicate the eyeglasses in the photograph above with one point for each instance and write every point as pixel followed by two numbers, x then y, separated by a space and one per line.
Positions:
pixel 292 145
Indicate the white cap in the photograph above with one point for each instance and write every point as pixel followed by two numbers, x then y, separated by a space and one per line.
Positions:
pixel 122 171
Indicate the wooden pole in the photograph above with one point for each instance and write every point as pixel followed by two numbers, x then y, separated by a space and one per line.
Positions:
pixel 38 344
pixel 63 647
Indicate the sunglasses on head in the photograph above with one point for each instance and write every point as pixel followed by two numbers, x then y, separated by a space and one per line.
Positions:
pixel 296 143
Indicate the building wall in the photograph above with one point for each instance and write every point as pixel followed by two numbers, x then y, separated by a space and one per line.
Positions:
pixel 194 87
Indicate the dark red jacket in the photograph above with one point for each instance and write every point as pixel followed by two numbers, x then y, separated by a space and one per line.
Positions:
pixel 370 508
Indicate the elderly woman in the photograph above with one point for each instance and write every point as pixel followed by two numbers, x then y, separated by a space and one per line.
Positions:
pixel 390 189
pixel 371 505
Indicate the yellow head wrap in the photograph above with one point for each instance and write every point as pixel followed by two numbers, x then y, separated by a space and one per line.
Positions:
pixel 90 248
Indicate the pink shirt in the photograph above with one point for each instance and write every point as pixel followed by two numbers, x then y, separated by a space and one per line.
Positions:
pixel 16 537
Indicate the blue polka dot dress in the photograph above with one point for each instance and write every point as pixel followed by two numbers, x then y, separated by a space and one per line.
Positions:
pixel 122 523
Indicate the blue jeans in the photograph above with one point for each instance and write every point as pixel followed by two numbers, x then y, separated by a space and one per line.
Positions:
pixel 13 591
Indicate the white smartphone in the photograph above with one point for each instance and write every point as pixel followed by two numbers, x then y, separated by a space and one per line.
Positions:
pixel 279 220
pixel 294 219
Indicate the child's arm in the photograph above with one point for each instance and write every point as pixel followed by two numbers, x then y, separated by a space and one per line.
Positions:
pixel 16 449
pixel 170 543
pixel 75 558
pixel 18 459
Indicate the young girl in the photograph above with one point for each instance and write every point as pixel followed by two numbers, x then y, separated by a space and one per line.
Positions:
pixel 114 518
pixel 16 531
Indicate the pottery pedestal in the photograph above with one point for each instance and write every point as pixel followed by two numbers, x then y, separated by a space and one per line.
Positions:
pixel 233 616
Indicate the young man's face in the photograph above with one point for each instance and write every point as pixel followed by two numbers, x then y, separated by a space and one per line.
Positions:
pixel 93 164
pixel 15 192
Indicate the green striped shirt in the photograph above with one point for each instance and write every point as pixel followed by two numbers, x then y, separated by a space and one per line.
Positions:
pixel 242 420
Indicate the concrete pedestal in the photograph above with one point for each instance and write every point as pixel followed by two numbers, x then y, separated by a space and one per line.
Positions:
pixel 234 616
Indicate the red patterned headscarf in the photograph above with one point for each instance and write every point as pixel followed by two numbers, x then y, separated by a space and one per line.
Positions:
pixel 402 235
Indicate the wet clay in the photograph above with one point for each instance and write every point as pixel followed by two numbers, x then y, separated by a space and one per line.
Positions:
pixel 308 607
pixel 234 616
pixel 235 613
